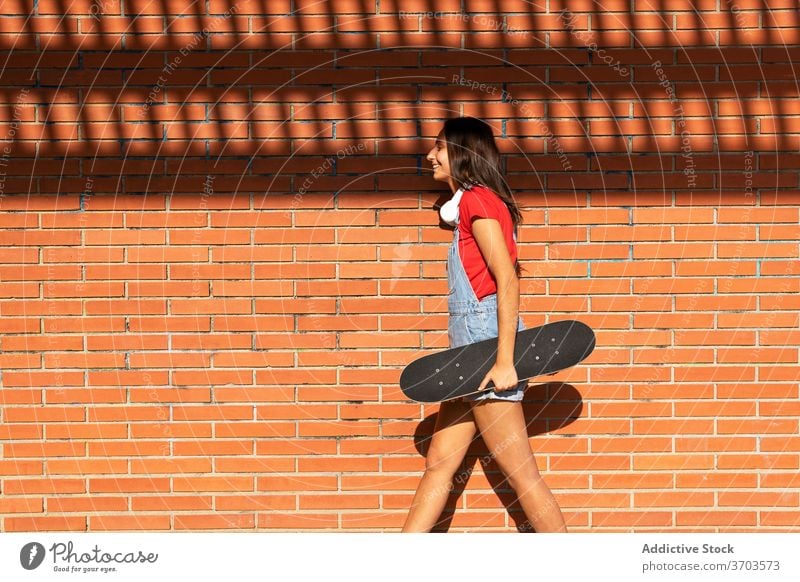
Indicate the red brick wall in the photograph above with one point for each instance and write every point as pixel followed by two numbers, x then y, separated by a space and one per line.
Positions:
pixel 203 318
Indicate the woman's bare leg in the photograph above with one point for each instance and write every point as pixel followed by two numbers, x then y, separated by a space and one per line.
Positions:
pixel 455 429
pixel 502 426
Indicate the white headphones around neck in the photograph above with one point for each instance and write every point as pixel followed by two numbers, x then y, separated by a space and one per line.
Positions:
pixel 449 210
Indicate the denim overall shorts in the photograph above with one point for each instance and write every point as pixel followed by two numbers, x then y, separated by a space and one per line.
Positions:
pixel 472 320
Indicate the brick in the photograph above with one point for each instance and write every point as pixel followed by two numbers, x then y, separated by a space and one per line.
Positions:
pixel 299 520
pixel 34 486
pixel 21 505
pixel 139 521
pixel 215 521
pixel 45 523
pixel 255 502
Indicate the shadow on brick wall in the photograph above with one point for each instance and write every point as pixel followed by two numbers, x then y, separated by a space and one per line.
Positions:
pixel 154 99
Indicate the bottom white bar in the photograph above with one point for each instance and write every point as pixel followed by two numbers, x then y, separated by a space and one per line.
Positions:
pixel 356 557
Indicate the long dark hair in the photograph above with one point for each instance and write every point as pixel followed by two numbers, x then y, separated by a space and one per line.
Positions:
pixel 474 159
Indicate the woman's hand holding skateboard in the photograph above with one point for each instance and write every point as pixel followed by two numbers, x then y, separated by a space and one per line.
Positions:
pixel 504 377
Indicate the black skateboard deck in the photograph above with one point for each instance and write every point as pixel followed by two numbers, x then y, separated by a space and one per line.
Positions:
pixel 458 372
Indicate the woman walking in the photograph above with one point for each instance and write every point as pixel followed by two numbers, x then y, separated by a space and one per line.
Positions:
pixel 483 301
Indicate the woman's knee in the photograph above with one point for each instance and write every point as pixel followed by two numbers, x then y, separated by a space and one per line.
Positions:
pixel 442 462
pixel 524 477
pixel 455 430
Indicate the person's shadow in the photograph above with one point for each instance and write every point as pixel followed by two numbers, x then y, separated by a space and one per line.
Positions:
pixel 547 407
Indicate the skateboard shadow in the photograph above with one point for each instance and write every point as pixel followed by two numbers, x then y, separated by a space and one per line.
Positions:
pixel 547 407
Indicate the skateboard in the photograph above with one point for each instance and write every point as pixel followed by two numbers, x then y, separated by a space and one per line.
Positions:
pixel 458 372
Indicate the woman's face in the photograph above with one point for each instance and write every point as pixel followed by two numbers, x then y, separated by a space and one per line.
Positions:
pixel 441 165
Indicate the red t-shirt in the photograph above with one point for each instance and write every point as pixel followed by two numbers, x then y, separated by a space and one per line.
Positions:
pixel 481 202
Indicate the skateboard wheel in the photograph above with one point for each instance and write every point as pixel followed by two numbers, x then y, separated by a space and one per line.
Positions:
pixel 461 377
pixel 458 365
